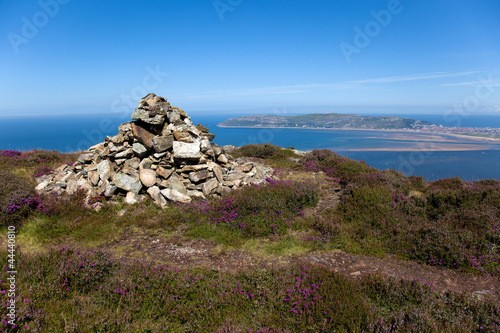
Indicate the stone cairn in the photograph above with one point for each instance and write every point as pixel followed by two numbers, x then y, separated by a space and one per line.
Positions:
pixel 161 154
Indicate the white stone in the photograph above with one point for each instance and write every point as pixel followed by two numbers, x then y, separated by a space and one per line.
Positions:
pixel 175 196
pixel 186 150
pixel 133 198
pixel 42 185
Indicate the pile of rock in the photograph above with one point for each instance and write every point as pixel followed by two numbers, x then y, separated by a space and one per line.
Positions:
pixel 160 154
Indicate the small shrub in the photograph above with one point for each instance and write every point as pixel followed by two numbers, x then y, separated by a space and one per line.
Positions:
pixel 264 150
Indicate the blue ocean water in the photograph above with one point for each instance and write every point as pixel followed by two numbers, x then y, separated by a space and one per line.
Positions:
pixel 80 132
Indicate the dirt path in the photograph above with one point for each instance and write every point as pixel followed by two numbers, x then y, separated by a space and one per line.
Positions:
pixel 201 253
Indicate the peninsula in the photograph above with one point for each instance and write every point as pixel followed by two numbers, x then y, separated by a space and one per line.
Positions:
pixel 328 120
pixel 339 121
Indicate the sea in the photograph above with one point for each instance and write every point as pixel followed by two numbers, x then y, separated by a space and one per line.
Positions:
pixel 78 132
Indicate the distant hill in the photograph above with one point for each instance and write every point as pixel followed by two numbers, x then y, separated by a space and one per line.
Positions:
pixel 326 120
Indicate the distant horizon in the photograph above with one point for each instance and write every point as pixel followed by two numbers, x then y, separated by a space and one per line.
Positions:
pixel 283 110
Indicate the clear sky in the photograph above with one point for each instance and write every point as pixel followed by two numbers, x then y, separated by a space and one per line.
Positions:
pixel 75 56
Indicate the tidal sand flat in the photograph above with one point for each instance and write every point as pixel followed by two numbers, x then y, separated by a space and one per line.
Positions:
pixel 408 141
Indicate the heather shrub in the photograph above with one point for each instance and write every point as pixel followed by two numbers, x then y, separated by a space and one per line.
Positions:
pixel 255 210
pixel 34 159
pixel 264 150
pixel 334 165
pixel 449 223
pixel 66 290
pixel 9 153
pixel 17 198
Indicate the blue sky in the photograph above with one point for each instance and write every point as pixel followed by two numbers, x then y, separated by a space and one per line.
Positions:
pixel 420 56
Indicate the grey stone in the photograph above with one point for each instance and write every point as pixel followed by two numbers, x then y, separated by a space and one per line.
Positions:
pixel 185 150
pixel 125 128
pixel 234 176
pixel 227 149
pixel 145 164
pixel 196 177
pixel 118 139
pixel 175 196
pixel 164 172
pixel 218 173
pixel 175 184
pixel 157 197
pixel 204 145
pixel 139 150
pixel 147 116
pixel 128 153
pixel 162 143
pixel 197 167
pixel 127 182
pixel 193 187
pixel 222 159
pixel 110 190
pixel 94 177
pixel 85 157
pixel 209 186
pixel 196 194
pixel 42 185
pixel 68 176
pixel 133 163
pixel 173 115
pixel 104 169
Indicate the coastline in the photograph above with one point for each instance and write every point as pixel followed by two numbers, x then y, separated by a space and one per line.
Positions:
pixel 440 141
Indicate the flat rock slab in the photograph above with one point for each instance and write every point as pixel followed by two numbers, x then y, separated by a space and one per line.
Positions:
pixel 176 196
pixel 190 151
